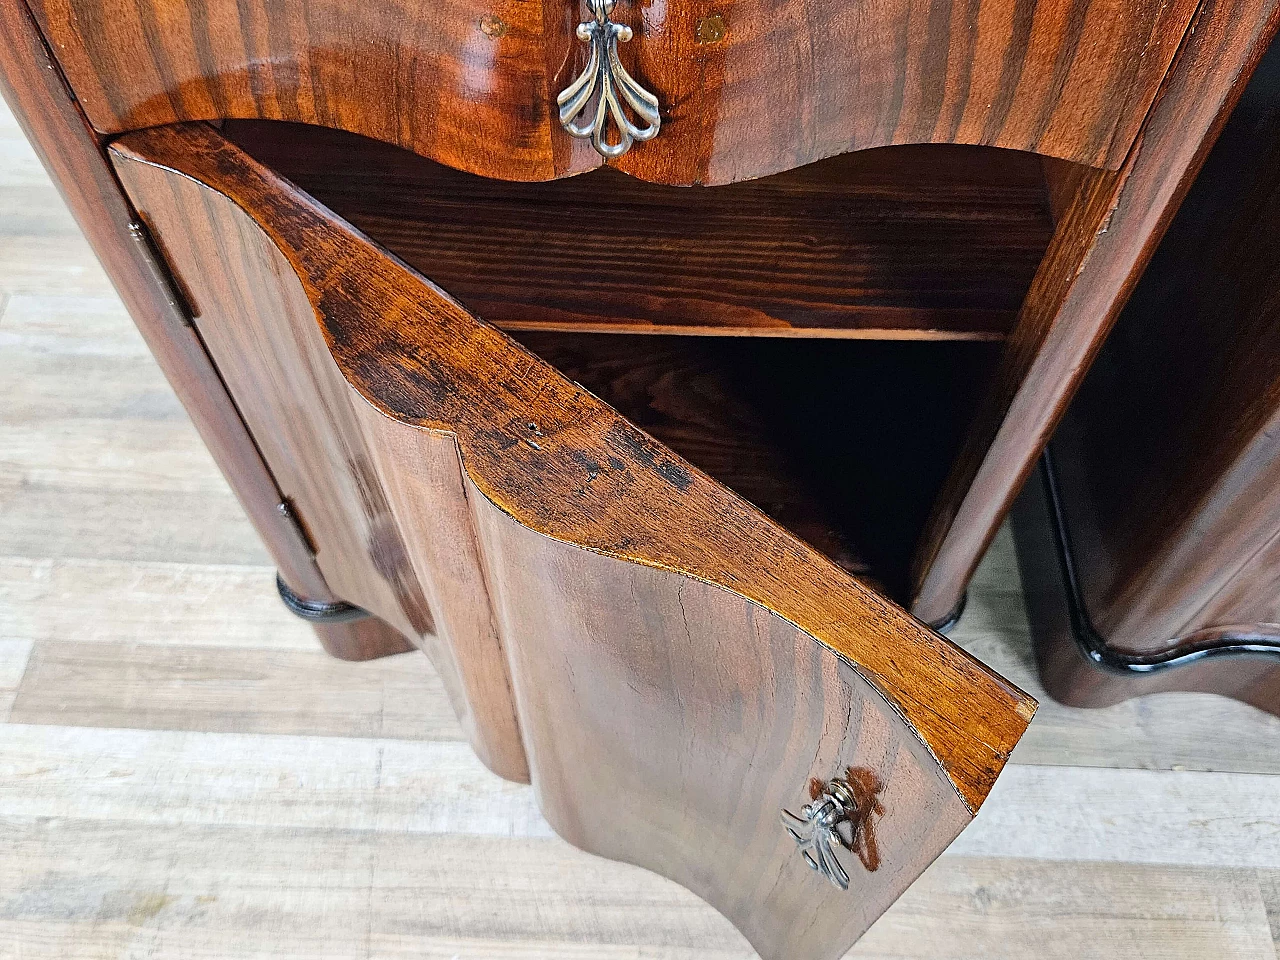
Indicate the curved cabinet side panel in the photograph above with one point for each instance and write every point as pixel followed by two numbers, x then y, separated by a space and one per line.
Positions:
pixel 788 81
pixel 669 721
pixel 1082 668
pixel 388 543
pixel 1101 246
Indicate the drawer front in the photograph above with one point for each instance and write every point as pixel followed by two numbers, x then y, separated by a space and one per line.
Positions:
pixel 681 670
pixel 744 88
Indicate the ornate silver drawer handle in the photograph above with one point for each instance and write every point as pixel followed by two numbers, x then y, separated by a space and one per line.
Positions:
pixel 605 77
pixel 818 827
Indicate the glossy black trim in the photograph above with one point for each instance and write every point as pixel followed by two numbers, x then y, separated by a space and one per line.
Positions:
pixel 319 611
pixel 1094 646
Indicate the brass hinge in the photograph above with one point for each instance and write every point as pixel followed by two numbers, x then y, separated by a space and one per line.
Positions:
pixel 159 271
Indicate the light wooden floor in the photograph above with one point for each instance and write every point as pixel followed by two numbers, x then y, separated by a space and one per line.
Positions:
pixel 184 774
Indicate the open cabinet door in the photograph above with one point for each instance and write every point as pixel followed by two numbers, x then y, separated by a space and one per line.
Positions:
pixel 671 669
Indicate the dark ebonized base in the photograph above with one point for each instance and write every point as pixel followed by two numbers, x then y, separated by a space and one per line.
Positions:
pixel 1078 666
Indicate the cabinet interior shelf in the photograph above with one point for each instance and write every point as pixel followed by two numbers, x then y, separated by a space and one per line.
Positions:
pixel 917 242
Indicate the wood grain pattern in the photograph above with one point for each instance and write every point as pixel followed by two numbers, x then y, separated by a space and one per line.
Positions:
pixel 921 242
pixel 85 886
pixel 1173 731
pixel 394 547
pixel 669 721
pixel 376 339
pixel 208 800
pixel 790 82
pixel 843 444
pixel 1101 246
pixel 129 601
pixel 989 466
pixel 212 688
pixel 187 780
pixel 14 654
pixel 1196 809
pixel 1195 367
pixel 34 87
pixel 1166 464
pixel 1074 678
pixel 659 624
pixel 239 779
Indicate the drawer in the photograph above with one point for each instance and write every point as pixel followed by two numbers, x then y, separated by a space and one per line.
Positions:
pixel 689 685
pixel 743 88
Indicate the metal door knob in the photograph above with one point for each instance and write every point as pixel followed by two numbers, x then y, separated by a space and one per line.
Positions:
pixel 818 828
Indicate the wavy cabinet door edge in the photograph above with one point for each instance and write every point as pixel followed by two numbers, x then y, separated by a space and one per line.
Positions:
pixel 680 669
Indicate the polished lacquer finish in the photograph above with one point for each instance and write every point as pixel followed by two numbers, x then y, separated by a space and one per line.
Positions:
pixel 681 668
pixel 1166 471
pixel 1107 229
pixel 758 91
pixel 763 87
pixel 671 666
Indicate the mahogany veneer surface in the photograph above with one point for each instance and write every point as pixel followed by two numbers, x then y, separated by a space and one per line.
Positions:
pixel 624 589
pixel 1167 465
pixel 1180 412
pixel 1104 237
pixel 1064 79
pixel 789 82
pixel 682 668
pixel 390 333
pixel 905 242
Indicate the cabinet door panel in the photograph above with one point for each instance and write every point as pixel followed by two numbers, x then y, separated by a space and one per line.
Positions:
pixel 400 545
pixel 679 667
pixel 773 84
pixel 669 721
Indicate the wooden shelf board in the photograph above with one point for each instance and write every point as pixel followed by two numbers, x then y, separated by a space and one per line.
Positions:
pixel 920 242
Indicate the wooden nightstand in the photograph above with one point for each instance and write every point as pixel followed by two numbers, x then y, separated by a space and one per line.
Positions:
pixel 652 456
